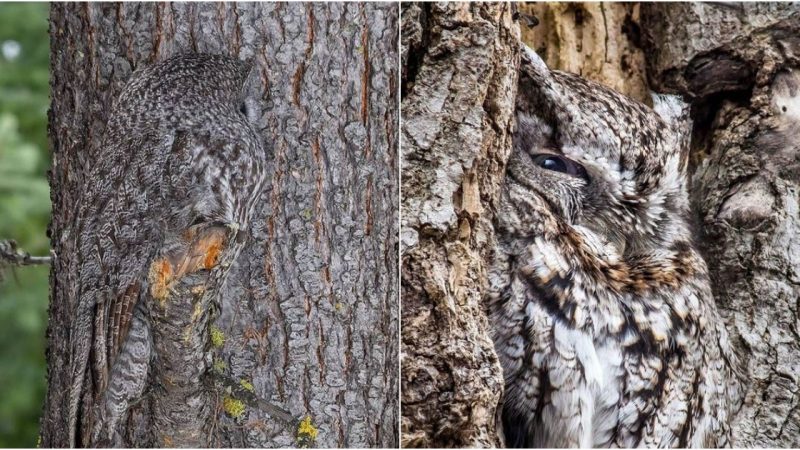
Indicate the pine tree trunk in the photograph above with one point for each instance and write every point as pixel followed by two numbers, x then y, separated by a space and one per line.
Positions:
pixel 459 82
pixel 309 311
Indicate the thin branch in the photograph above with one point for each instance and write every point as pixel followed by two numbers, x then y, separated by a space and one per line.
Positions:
pixel 11 255
pixel 254 400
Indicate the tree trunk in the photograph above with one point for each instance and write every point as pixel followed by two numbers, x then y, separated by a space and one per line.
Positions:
pixel 309 310
pixel 737 64
pixel 459 82
pixel 742 73
pixel 596 40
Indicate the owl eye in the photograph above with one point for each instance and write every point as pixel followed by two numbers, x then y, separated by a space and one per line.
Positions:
pixel 243 109
pixel 560 164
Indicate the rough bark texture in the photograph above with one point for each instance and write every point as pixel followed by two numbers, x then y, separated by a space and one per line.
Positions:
pixel 737 64
pixel 740 65
pixel 309 311
pixel 459 82
pixel 599 41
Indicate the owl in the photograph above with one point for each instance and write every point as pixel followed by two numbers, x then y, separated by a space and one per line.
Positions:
pixel 170 192
pixel 600 306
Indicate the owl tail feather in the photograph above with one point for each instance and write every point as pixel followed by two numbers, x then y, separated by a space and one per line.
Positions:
pixel 80 347
pixel 127 380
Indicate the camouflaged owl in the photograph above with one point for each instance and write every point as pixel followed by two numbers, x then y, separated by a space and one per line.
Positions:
pixel 186 167
pixel 601 310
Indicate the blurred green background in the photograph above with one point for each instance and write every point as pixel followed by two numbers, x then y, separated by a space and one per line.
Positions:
pixel 24 214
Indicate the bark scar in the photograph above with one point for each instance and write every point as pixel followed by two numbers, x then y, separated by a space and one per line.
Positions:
pixel 160 278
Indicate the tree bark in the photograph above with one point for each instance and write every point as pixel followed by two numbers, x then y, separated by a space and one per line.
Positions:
pixel 737 64
pixel 596 40
pixel 742 74
pixel 459 82
pixel 309 310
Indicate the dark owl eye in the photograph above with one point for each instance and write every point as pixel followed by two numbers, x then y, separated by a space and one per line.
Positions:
pixel 243 109
pixel 560 164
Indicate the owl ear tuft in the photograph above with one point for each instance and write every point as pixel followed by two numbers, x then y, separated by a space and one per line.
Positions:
pixel 534 59
pixel 533 64
pixel 542 93
pixel 252 87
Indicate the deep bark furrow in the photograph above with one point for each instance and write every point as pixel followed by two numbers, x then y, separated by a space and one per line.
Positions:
pixel 304 310
pixel 736 64
pixel 457 109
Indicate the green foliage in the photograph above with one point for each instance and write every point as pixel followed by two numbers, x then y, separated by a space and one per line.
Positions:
pixel 24 81
pixel 24 214
pixel 24 192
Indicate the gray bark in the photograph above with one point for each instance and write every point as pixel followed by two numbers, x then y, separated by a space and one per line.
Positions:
pixel 737 64
pixel 740 65
pixel 309 310
pixel 459 82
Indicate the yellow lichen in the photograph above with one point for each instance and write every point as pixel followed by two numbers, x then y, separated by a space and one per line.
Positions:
pixel 306 433
pixel 169 380
pixel 217 337
pixel 233 407
pixel 187 334
pixel 219 366
pixel 248 386
pixel 199 290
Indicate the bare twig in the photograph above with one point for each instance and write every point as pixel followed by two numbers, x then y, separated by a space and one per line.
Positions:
pixel 11 255
pixel 255 401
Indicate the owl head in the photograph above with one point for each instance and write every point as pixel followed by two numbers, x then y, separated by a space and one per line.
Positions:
pixel 186 85
pixel 206 110
pixel 586 156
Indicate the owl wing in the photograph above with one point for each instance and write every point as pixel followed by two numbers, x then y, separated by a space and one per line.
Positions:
pixel 120 228
pixel 527 347
pixel 153 205
pixel 159 197
pixel 132 230
pixel 694 401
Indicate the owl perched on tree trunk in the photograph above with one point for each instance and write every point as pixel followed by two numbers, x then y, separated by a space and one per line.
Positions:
pixel 171 190
pixel 601 310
